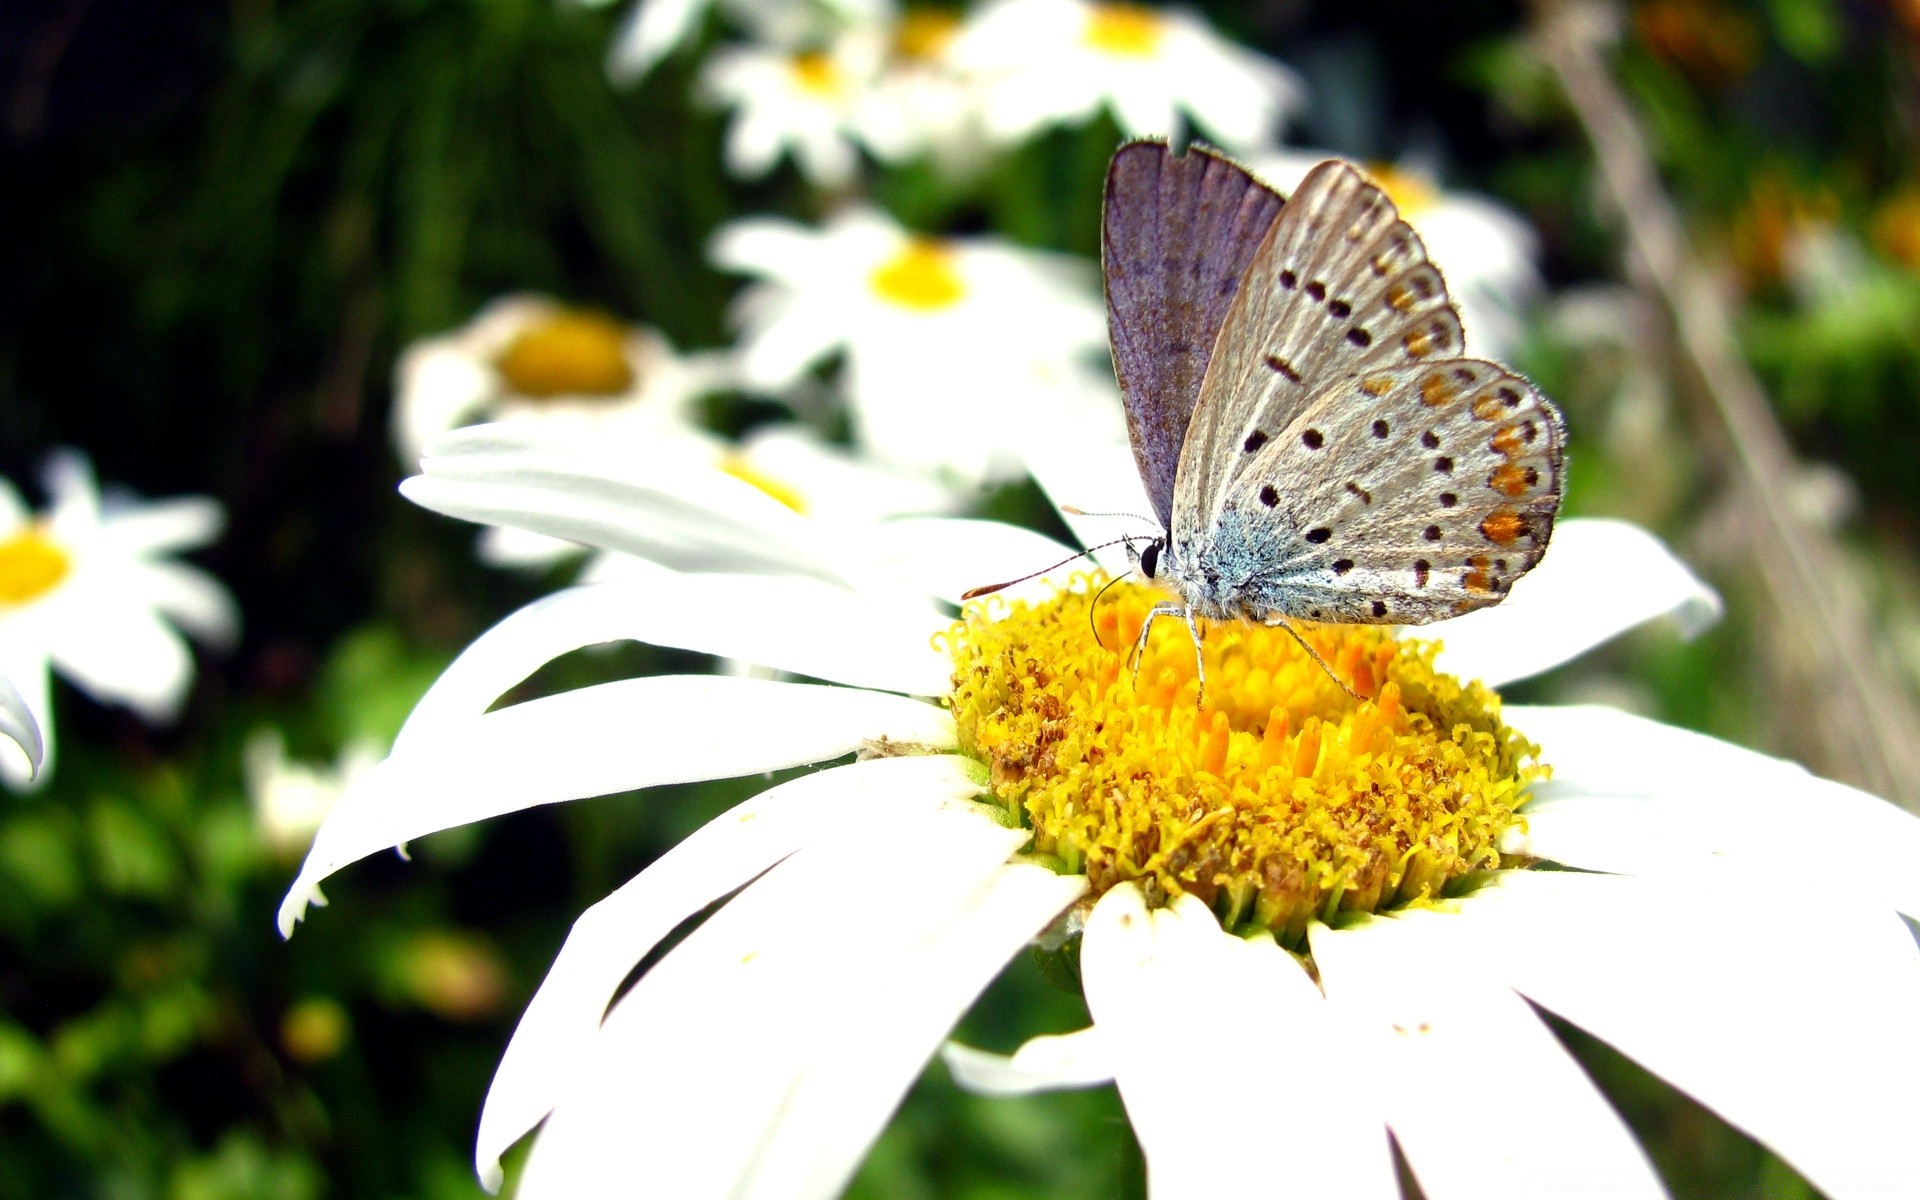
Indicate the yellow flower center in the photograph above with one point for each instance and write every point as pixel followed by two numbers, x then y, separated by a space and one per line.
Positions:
pixel 922 277
pixel 1126 30
pixel 1411 192
pixel 1282 800
pixel 817 74
pixel 31 565
pixel 737 466
pixel 924 34
pixel 573 353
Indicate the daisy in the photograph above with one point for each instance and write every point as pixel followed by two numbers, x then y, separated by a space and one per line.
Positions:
pixel 530 359
pixel 1487 252
pixel 1051 62
pixel 947 341
pixel 923 102
pixel 655 28
pixel 804 102
pixel 1353 877
pixel 86 588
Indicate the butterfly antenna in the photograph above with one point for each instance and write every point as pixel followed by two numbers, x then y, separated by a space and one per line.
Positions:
pixel 1101 642
pixel 976 593
pixel 1071 511
pixel 1283 623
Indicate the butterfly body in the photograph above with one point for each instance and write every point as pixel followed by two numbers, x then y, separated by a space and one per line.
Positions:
pixel 1313 442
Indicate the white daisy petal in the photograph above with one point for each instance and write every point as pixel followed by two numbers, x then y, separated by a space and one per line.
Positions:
pixel 1049 1063
pixel 1599 578
pixel 789 624
pixel 648 32
pixel 695 1062
pixel 165 526
pixel 1793 1022
pixel 610 737
pixel 1140 969
pixel 1419 1005
pixel 1635 796
pixel 947 556
pixel 128 656
pixel 191 599
pixel 563 1018
pixel 25 667
pixel 865 1064
pixel 17 723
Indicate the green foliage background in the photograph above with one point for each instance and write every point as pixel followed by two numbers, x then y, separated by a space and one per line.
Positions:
pixel 222 223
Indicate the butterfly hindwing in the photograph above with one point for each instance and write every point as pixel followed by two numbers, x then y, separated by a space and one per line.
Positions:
pixel 1340 285
pixel 1178 232
pixel 1403 495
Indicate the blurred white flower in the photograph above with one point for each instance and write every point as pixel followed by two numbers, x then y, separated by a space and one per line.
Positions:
pixel 1048 62
pixel 799 101
pixel 654 28
pixel 17 724
pixel 86 589
pixel 949 343
pixel 1485 250
pixel 290 799
pixel 762 1053
pixel 529 358
pixel 922 102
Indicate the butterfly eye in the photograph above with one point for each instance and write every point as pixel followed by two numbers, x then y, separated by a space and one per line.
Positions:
pixel 1150 560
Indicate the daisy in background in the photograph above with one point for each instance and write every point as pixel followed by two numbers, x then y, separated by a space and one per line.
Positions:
pixel 1053 62
pixel 86 588
pixel 17 724
pixel 290 798
pixel 532 359
pixel 805 102
pixel 1487 252
pixel 948 341
pixel 655 28
pixel 923 103
pixel 1199 858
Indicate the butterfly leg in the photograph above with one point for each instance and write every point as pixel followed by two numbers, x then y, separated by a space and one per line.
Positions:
pixel 1272 619
pixel 1165 608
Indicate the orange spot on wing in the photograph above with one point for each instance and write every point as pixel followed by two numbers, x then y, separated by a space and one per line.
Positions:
pixel 1510 478
pixel 1400 297
pixel 1487 407
pixel 1419 343
pixel 1503 527
pixel 1509 441
pixel 1436 391
pixel 1376 385
pixel 1476 579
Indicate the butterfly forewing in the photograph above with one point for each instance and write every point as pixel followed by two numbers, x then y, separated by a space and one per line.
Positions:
pixel 1177 235
pixel 1340 285
pixel 1403 494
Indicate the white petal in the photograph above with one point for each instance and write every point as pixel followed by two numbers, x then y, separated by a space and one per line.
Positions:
pixel 1599 578
pixel 610 938
pixel 652 29
pixel 867 1060
pixel 1786 1010
pixel 121 653
pixel 191 598
pixel 1099 478
pixel 1420 1005
pixel 495 477
pixel 165 526
pixel 26 669
pixel 789 624
pixel 1141 971
pixel 947 556
pixel 1634 796
pixel 1048 1063
pixel 694 1066
pixel 17 723
pixel 611 737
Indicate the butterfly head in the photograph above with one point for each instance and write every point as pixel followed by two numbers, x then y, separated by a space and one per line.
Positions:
pixel 1147 561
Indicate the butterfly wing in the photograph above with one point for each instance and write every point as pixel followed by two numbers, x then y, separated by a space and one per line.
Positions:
pixel 1410 493
pixel 1340 285
pixel 1177 234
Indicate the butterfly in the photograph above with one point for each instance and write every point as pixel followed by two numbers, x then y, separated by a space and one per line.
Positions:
pixel 1313 441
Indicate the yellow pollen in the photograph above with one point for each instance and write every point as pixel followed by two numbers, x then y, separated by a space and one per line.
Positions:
pixel 575 352
pixel 737 466
pixel 1126 30
pixel 817 73
pixel 1411 192
pixel 924 34
pixel 1281 800
pixel 31 565
pixel 921 277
